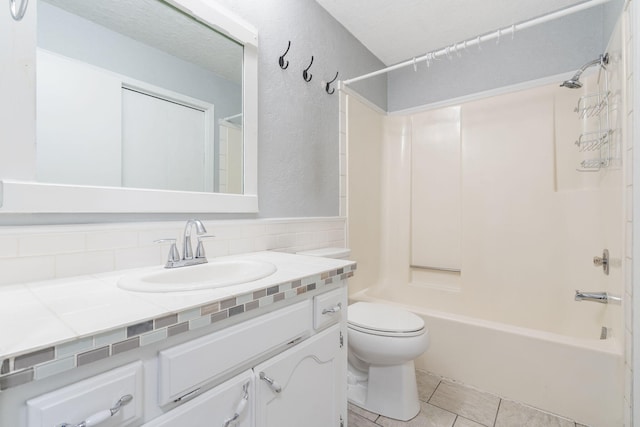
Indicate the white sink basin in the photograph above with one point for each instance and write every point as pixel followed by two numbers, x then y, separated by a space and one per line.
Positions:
pixel 214 274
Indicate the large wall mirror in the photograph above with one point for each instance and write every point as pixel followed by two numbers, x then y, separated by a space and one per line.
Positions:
pixel 145 106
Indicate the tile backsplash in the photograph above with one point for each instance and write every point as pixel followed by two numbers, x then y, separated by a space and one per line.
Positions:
pixel 29 253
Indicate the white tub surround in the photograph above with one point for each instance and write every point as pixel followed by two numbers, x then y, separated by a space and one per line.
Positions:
pixel 492 254
pixel 50 327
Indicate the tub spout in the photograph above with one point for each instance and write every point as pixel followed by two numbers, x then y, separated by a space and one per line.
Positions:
pixel 601 297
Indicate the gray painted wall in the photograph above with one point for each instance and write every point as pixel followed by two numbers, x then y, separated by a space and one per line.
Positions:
pixel 298 121
pixel 559 46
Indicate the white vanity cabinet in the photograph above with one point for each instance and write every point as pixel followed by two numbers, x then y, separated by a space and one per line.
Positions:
pixel 302 382
pixel 281 366
pixel 304 386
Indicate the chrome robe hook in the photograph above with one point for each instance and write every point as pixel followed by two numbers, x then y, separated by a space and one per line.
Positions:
pixel 281 59
pixel 306 75
pixel 17 12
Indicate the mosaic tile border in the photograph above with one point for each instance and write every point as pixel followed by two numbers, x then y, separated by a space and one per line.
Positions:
pixel 53 360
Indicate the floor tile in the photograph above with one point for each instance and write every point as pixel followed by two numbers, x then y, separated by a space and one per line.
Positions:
pixel 427 384
pixel 429 416
pixel 363 412
pixel 512 414
pixel 355 420
pixel 463 422
pixel 475 405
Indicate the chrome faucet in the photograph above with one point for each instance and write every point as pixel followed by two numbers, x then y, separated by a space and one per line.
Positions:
pixel 187 259
pixel 187 250
pixel 601 297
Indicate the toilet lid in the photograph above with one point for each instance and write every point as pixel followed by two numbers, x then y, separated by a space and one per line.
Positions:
pixel 383 318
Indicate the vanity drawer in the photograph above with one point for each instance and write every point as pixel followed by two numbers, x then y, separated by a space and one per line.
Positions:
pixel 91 398
pixel 328 308
pixel 183 368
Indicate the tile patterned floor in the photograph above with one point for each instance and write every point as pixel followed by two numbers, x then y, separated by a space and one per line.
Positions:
pixel 448 404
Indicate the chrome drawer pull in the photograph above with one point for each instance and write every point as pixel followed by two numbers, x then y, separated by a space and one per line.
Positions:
pixel 101 416
pixel 336 308
pixel 274 385
pixel 188 396
pixel 241 406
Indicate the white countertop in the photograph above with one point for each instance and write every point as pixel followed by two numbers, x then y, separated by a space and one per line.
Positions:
pixel 40 314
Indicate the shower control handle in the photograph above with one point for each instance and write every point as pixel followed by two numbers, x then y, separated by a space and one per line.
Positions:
pixel 601 297
pixel 602 261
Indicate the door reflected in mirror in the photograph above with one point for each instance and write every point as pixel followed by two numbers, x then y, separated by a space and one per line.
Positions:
pixel 137 94
pixel 231 154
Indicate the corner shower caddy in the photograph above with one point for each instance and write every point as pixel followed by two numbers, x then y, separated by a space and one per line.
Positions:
pixel 593 110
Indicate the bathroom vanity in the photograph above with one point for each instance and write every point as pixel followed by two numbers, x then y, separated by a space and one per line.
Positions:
pixel 271 352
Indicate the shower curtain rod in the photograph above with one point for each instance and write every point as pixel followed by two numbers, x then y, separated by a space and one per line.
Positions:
pixel 478 40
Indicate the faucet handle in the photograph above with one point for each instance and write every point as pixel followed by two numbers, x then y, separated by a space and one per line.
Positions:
pixel 200 248
pixel 174 255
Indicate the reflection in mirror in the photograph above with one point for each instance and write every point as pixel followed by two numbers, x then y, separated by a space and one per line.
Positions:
pixel 137 94
pixel 231 155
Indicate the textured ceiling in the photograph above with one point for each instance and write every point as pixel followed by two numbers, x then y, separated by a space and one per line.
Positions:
pixel 397 30
pixel 154 23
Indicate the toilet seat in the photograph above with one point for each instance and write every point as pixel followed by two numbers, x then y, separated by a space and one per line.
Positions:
pixel 384 333
pixel 383 320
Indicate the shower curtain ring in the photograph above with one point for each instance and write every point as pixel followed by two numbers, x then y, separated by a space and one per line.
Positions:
pixel 478 42
pixel 499 32
pixel 513 31
pixel 415 66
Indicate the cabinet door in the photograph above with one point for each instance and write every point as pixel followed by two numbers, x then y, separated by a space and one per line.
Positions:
pixel 216 407
pixel 304 386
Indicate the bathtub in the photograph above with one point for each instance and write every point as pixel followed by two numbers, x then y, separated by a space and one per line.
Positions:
pixel 574 377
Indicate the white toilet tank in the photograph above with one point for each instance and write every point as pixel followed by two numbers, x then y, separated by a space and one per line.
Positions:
pixel 340 253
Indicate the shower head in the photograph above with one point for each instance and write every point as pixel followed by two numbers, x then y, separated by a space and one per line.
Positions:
pixel 574 82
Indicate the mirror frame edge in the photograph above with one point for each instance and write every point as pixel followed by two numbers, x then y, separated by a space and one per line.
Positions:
pixel 18 196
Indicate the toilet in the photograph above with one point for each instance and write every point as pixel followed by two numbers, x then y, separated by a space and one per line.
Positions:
pixel 383 342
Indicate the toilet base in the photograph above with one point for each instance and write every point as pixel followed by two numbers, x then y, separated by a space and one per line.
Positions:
pixel 390 391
